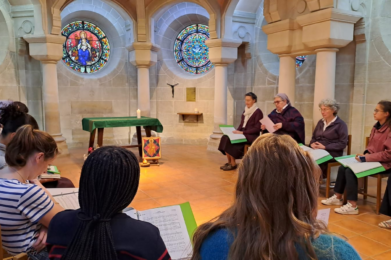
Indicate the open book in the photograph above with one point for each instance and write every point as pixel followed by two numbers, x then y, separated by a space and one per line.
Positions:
pixel 234 138
pixel 52 172
pixel 175 223
pixel 319 155
pixel 361 169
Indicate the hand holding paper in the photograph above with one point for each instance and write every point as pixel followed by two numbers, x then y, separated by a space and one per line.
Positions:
pixel 269 125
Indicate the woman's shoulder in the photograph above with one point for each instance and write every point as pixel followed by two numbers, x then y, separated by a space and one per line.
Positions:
pixel 217 245
pixel 328 246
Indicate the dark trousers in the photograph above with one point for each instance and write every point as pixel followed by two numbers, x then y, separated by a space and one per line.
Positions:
pixel 386 203
pixel 346 179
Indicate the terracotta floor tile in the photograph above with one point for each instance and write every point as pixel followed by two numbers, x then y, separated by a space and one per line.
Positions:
pixel 141 195
pixel 145 204
pixel 383 256
pixel 367 246
pixel 380 235
pixel 158 193
pixel 341 231
pixel 372 218
pixel 356 226
pixel 168 201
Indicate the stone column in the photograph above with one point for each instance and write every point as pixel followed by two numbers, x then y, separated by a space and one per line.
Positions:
pixel 48 50
pixel 143 55
pixel 287 77
pixel 324 78
pixel 221 52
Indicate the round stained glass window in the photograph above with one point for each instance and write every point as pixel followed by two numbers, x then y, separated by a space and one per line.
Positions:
pixel 86 49
pixel 190 50
pixel 300 60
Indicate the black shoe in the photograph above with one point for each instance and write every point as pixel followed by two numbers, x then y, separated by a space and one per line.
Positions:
pixel 230 167
pixel 225 165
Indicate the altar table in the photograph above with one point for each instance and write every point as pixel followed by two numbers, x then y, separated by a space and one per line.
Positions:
pixel 100 123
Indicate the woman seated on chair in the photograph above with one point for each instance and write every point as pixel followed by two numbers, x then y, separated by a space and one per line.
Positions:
pixel 331 133
pixel 287 119
pixel 98 230
pixel 249 127
pixel 12 117
pixel 273 215
pixel 378 150
pixel 26 207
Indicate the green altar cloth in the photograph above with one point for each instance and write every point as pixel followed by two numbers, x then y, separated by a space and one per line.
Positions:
pixel 90 124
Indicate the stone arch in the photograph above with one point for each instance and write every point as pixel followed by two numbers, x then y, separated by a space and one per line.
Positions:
pixel 169 25
pixel 158 7
pixel 118 28
pixel 7 27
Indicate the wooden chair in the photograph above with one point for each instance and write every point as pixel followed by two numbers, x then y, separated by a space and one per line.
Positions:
pixel 334 164
pixel 379 178
pixel 3 253
pixel 246 148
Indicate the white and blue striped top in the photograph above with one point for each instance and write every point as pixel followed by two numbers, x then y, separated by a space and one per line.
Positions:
pixel 21 208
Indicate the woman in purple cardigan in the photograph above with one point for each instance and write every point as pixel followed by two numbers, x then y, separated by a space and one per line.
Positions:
pixel 331 133
pixel 287 119
pixel 249 127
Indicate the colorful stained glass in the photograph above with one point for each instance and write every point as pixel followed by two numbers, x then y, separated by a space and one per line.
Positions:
pixel 86 49
pixel 190 50
pixel 300 60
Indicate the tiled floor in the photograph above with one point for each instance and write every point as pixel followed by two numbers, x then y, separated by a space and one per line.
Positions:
pixel 190 173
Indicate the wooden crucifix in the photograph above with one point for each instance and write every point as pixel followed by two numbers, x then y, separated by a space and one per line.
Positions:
pixel 172 88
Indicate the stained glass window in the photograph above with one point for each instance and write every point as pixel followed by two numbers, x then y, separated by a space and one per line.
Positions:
pixel 190 50
pixel 300 60
pixel 86 49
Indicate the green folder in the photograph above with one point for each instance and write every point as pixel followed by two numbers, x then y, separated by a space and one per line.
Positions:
pixel 188 216
pixel 233 141
pixel 321 160
pixel 53 169
pixel 364 173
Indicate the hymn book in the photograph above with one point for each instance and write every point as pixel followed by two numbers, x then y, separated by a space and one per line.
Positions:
pixel 234 138
pixel 52 172
pixel 175 223
pixel 319 155
pixel 361 169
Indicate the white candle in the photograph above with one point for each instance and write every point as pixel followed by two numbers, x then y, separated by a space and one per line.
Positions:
pixel 138 113
pixel 196 110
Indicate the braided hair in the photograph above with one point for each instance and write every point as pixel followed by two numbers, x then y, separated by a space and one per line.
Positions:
pixel 108 183
pixel 12 117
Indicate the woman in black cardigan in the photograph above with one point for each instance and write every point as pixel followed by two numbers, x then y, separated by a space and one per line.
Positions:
pixel 249 126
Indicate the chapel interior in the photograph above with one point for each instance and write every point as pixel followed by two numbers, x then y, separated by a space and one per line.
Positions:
pixel 136 58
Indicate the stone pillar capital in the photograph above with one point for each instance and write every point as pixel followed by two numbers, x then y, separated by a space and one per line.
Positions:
pixel 143 54
pixel 223 51
pixel 327 50
pixel 46 48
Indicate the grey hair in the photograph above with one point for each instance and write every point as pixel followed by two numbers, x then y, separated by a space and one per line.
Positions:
pixel 283 97
pixel 331 103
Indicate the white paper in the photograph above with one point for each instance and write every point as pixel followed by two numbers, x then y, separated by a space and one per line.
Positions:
pixel 131 213
pixel 306 148
pixel 68 201
pixel 172 229
pixel 324 215
pixel 228 131
pixel 268 123
pixel 357 166
pixel 59 191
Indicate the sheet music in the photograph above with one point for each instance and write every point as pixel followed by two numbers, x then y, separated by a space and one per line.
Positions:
pixel 68 201
pixel 59 191
pixel 306 148
pixel 357 166
pixel 228 131
pixel 172 228
pixel 131 213
pixel 268 123
pixel 318 153
pixel 324 215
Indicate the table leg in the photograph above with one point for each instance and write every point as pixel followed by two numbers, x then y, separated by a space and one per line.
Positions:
pixel 139 140
pixel 92 138
pixel 148 131
pixel 100 136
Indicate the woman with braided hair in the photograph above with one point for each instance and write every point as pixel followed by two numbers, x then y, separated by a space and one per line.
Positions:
pixel 98 230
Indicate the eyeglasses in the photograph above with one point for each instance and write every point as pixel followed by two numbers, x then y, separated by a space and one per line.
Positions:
pixel 277 102
pixel 324 110
pixel 377 111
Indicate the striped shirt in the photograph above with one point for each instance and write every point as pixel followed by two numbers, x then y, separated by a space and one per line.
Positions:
pixel 21 208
